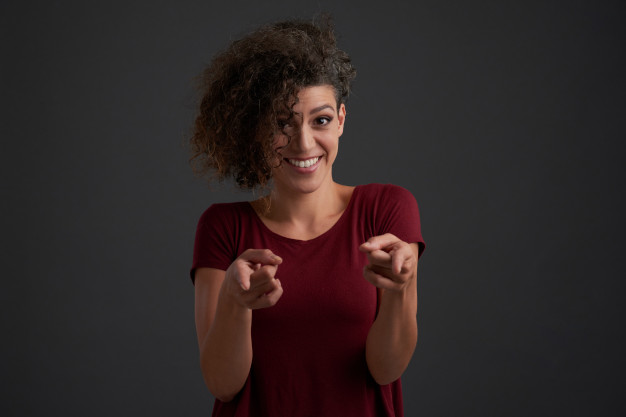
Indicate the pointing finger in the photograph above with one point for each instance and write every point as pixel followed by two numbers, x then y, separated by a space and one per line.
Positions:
pixel 264 275
pixel 243 275
pixel 397 260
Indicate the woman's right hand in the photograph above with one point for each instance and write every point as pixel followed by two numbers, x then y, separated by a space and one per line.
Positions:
pixel 224 303
pixel 250 280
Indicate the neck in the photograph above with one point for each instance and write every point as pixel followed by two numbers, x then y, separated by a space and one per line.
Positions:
pixel 304 209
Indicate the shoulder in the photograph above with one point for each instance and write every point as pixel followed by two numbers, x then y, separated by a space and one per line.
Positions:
pixel 223 213
pixel 386 201
pixel 216 236
pixel 384 193
pixel 392 209
pixel 225 208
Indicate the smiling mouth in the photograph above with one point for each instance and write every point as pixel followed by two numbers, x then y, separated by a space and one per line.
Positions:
pixel 303 163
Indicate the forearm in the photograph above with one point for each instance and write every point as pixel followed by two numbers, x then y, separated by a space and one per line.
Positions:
pixel 392 338
pixel 226 352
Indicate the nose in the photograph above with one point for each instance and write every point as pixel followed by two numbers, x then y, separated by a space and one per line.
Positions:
pixel 303 139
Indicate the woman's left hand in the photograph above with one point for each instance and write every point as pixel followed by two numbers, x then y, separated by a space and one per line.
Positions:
pixel 392 267
pixel 392 263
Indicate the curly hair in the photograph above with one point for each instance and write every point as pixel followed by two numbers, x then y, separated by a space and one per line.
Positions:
pixel 248 87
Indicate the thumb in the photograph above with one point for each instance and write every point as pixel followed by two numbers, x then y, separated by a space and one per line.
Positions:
pixel 378 242
pixel 261 256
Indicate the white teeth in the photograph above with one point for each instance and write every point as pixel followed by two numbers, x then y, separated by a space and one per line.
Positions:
pixel 303 164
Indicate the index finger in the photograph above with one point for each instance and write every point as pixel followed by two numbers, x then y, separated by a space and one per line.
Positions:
pixel 398 257
pixel 403 255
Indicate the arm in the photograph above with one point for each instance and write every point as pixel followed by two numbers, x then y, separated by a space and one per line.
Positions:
pixel 224 301
pixel 393 336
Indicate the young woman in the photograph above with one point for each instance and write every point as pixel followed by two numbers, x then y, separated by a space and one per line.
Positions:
pixel 306 298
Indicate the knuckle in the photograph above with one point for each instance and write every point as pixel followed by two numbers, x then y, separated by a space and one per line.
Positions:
pixel 267 272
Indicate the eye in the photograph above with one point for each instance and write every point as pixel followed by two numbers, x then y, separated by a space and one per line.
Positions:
pixel 323 120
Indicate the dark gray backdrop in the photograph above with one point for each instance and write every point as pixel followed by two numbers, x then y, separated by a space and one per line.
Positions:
pixel 505 119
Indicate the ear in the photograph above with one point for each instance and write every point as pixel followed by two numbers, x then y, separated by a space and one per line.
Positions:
pixel 341 117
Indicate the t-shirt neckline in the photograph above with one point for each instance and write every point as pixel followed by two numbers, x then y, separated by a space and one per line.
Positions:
pixel 268 231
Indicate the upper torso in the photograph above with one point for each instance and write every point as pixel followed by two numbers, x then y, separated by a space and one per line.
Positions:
pixel 309 349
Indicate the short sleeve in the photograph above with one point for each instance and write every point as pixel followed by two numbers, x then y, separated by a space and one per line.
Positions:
pixel 214 245
pixel 398 214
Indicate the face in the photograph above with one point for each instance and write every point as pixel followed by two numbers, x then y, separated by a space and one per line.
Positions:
pixel 315 128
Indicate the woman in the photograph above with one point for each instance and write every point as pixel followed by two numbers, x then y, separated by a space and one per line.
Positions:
pixel 306 298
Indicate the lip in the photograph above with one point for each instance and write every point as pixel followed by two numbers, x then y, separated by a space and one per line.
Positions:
pixel 303 170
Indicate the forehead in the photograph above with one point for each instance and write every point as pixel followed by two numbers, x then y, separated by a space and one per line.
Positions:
pixel 315 96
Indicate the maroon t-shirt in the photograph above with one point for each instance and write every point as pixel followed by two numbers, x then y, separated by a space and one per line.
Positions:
pixel 309 349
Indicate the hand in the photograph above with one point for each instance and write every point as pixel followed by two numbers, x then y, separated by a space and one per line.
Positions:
pixel 250 279
pixel 392 263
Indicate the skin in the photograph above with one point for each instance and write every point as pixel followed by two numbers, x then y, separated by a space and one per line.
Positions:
pixel 304 203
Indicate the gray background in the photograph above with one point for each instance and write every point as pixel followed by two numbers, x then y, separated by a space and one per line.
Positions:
pixel 505 119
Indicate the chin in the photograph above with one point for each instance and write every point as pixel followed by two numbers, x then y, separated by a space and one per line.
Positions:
pixel 306 187
pixel 300 185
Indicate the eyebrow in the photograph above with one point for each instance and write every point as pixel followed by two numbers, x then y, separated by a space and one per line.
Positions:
pixel 320 108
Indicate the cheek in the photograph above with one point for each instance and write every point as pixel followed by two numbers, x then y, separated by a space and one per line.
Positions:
pixel 330 143
pixel 280 141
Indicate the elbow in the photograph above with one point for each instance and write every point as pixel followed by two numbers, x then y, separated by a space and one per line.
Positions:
pixel 387 381
pixel 384 372
pixel 383 377
pixel 221 387
pixel 386 367
pixel 224 397
pixel 220 391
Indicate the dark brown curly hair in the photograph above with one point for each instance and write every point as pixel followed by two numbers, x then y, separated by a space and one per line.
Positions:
pixel 248 87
